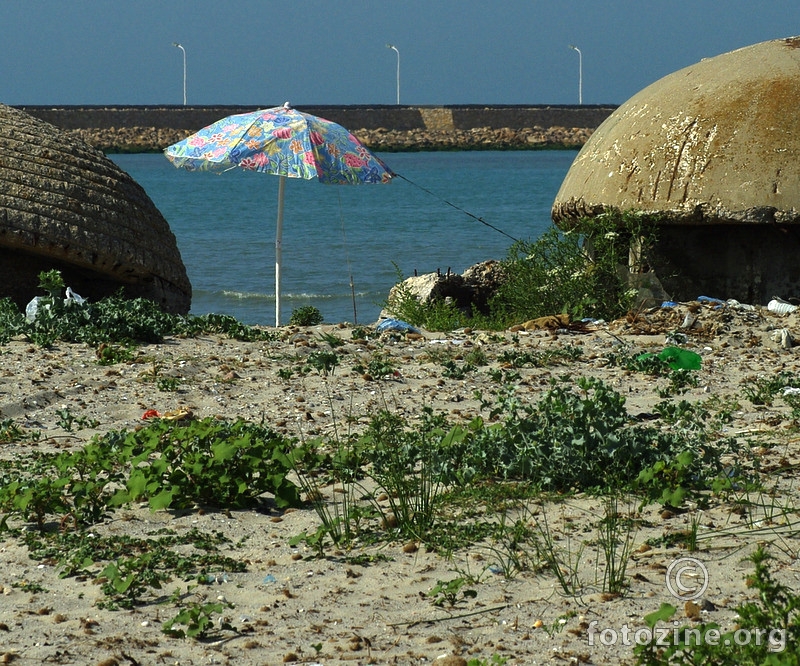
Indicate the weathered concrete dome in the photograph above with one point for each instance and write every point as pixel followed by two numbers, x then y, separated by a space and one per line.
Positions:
pixel 65 206
pixel 713 148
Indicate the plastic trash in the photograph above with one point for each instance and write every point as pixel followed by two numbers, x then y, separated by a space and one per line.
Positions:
pixel 72 297
pixel 669 304
pixel 714 301
pixel 32 308
pixel 678 359
pixel 269 578
pixel 783 337
pixel 681 359
pixel 736 305
pixel 395 325
pixel 779 306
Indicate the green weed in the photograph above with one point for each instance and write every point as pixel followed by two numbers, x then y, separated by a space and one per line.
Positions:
pixel 196 620
pixel 307 315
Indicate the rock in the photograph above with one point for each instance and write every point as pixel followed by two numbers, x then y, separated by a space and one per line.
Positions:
pixel 65 206
pixel 152 139
pixel 471 290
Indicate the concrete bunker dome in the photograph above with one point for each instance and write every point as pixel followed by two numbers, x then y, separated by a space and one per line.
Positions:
pixel 712 150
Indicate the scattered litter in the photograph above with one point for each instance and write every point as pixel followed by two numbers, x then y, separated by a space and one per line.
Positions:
pixel 678 359
pixel 736 305
pixel 390 324
pixel 675 338
pixel 783 337
pixel 32 308
pixel 715 301
pixel 791 390
pixel 779 306
pixel 179 414
pixel 269 578
pixel 72 297
pixel 550 322
pixel 669 304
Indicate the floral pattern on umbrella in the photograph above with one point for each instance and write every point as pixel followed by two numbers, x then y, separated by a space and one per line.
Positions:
pixel 284 142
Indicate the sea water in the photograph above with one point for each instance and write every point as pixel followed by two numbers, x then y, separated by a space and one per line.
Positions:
pixel 344 247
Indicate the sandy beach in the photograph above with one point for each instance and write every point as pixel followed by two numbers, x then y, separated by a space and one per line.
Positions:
pixel 373 603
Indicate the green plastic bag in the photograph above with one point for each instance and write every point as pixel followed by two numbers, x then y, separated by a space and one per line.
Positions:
pixel 680 359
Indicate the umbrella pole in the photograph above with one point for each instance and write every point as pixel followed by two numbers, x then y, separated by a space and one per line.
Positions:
pixel 278 235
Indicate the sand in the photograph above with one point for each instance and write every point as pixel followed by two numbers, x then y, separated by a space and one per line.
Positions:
pixel 372 604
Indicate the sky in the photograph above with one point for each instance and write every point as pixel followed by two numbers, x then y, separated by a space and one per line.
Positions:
pixel 265 52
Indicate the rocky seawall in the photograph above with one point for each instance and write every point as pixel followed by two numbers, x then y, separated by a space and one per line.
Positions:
pixel 155 139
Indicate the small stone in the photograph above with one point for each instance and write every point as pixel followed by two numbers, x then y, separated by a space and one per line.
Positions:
pixel 411 547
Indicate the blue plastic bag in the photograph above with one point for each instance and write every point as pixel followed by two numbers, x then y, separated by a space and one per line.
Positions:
pixel 395 325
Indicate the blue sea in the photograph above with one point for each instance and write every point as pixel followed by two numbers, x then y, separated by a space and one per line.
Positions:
pixel 344 247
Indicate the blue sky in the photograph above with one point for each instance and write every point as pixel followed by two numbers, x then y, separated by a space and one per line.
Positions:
pixel 265 52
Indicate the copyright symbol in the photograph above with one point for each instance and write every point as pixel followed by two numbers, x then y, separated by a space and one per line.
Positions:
pixel 687 578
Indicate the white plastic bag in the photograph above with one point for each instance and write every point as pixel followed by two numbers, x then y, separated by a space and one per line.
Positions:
pixel 72 297
pixel 32 309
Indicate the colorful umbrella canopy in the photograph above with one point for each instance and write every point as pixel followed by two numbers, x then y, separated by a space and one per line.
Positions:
pixel 284 142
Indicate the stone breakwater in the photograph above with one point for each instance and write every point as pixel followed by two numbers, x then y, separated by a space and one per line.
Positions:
pixel 153 139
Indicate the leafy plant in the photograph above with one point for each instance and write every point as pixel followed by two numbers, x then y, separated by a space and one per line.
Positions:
pixel 762 390
pixel 451 592
pixel 574 272
pixel 11 432
pixel 196 620
pixel 171 464
pixel 208 462
pixel 359 333
pixel 452 370
pixel 324 362
pixel 66 420
pixel 110 354
pixel 578 438
pixel 111 321
pixel 377 367
pixel 51 282
pixel 540 358
pixel 306 315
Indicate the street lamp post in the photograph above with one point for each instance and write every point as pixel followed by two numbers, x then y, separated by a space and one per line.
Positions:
pixel 175 44
pixel 394 48
pixel 580 73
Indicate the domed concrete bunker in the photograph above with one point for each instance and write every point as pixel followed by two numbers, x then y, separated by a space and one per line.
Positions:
pixel 714 150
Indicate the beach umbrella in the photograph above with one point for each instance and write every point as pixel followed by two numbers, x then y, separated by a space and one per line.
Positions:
pixel 284 142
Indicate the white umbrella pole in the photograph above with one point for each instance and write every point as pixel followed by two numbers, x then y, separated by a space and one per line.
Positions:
pixel 278 235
